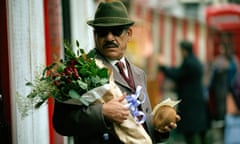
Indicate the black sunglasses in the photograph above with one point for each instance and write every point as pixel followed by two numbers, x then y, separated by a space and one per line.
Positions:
pixel 105 32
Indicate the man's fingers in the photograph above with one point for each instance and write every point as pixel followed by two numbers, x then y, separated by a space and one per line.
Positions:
pixel 127 105
pixel 173 125
pixel 178 118
pixel 121 98
pixel 168 128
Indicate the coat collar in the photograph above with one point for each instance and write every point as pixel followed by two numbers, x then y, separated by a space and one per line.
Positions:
pixel 117 76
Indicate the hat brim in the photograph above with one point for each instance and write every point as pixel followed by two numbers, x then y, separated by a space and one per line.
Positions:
pixel 110 22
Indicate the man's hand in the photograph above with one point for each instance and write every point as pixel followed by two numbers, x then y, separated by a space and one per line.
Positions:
pixel 169 127
pixel 115 111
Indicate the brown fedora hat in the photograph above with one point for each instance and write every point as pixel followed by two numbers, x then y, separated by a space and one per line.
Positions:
pixel 111 14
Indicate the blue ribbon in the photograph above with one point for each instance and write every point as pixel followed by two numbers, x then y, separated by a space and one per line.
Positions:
pixel 133 104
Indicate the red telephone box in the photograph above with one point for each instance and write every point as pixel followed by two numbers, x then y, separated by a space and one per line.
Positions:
pixel 224 23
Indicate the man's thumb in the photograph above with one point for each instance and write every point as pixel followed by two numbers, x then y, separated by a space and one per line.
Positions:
pixel 121 98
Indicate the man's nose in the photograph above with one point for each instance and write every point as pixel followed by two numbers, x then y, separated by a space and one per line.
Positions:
pixel 109 36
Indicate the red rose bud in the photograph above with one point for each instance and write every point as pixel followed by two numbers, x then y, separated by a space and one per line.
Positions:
pixel 57 83
pixel 75 70
pixel 68 71
pixel 55 75
pixel 76 76
pixel 73 62
pixel 69 80
pixel 63 74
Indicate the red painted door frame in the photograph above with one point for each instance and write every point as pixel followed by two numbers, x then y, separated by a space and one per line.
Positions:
pixel 5 136
pixel 52 26
pixel 47 48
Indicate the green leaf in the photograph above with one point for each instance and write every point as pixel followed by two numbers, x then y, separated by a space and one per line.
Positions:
pixel 104 81
pixel 69 53
pixel 91 54
pixel 48 68
pixel 83 101
pixel 61 67
pixel 37 105
pixel 81 61
pixel 29 84
pixel 82 51
pixel 77 43
pixel 96 78
pixel 73 94
pixel 83 85
pixel 32 95
pixel 103 73
pixel 84 71
pixel 78 52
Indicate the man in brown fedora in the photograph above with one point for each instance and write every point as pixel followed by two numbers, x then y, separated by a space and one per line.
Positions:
pixel 94 124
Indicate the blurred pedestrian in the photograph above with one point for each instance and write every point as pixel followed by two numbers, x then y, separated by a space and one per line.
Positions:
pixel 223 71
pixel 189 88
pixel 218 86
pixel 226 65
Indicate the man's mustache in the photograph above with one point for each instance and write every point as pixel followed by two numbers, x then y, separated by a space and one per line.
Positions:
pixel 110 44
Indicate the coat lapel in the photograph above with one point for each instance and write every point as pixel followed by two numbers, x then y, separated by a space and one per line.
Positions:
pixel 116 75
pixel 119 79
pixel 138 79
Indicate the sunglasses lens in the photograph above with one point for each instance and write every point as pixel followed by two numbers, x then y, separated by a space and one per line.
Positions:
pixel 115 32
pixel 102 33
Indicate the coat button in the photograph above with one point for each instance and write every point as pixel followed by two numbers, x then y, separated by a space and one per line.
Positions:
pixel 105 136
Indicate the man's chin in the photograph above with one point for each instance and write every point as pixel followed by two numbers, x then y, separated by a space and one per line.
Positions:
pixel 112 55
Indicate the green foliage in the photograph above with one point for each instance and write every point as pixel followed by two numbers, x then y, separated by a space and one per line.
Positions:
pixel 68 78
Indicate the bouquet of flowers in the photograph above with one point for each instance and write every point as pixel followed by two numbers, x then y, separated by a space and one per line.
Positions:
pixel 81 79
pixel 69 78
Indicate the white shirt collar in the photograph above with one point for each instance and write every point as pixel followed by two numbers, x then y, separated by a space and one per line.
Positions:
pixel 113 62
pixel 123 60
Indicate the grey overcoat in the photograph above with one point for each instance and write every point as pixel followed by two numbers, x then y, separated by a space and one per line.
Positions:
pixel 87 124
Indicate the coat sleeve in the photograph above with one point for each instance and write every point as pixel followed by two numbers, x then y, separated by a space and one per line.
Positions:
pixel 73 120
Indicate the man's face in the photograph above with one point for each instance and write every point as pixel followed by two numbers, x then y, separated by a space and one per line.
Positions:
pixel 112 42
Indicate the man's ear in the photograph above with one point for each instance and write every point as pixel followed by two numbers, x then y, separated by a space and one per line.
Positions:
pixel 129 32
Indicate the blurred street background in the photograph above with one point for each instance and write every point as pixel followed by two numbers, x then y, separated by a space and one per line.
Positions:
pixel 32 35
